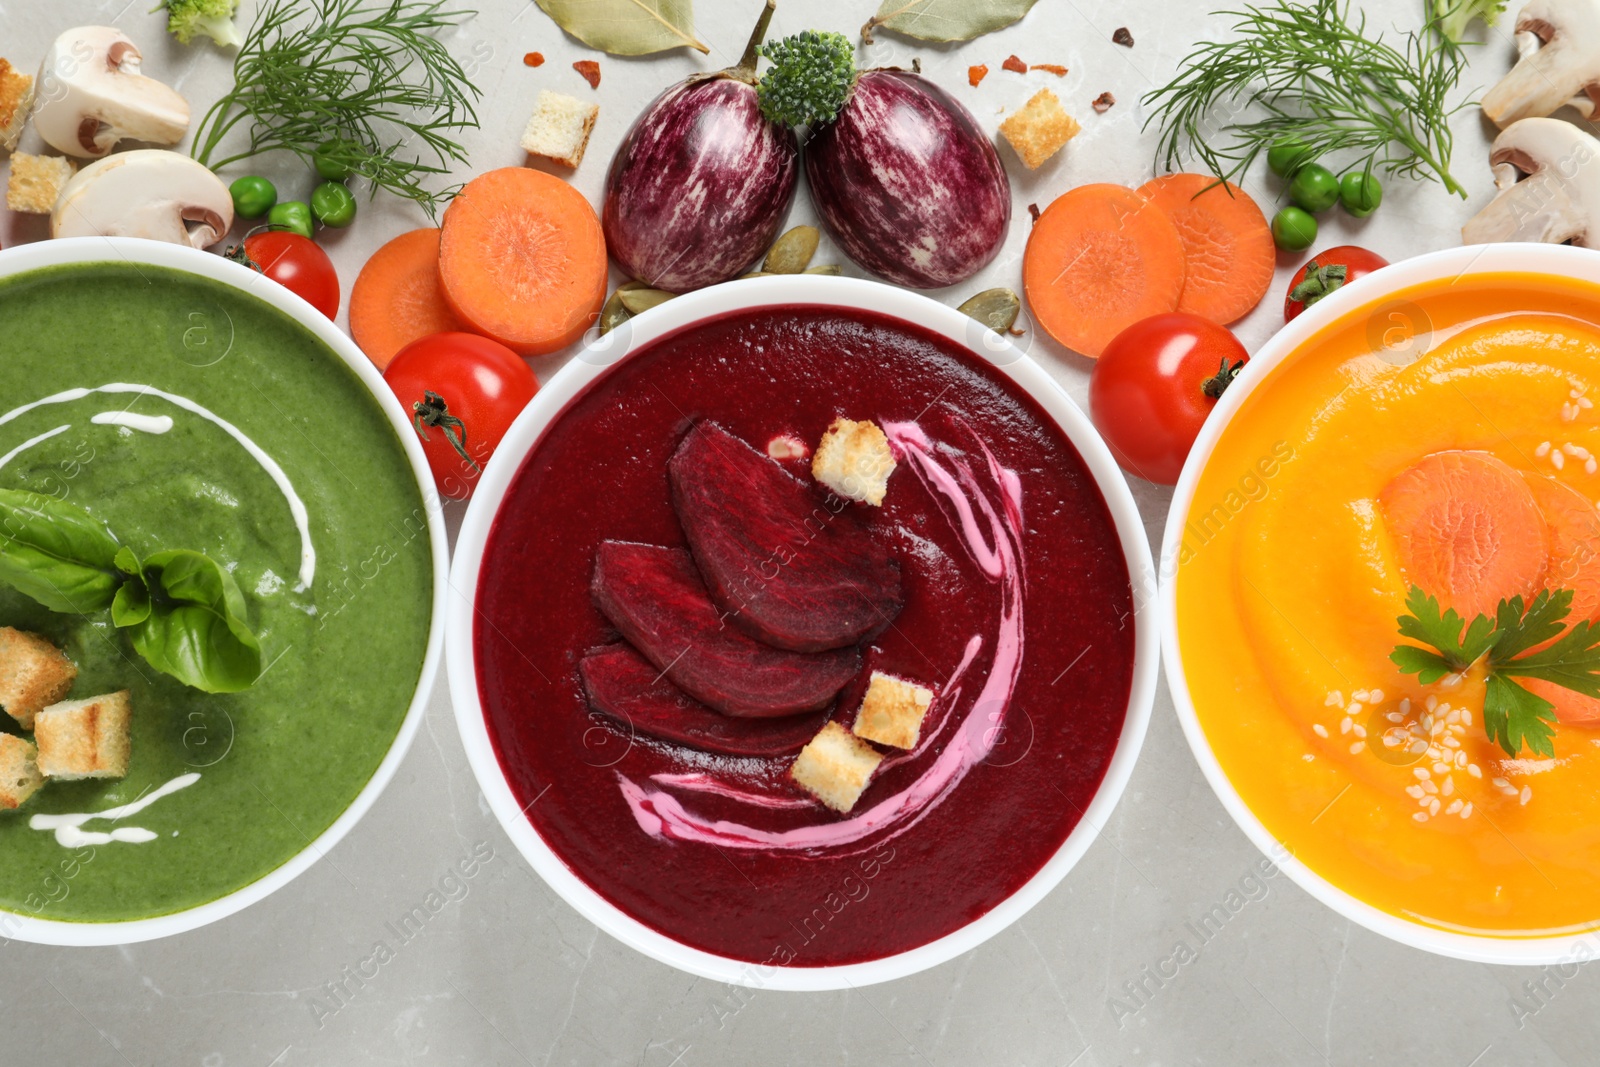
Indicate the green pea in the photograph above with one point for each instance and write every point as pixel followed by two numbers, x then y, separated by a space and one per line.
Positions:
pixel 1360 193
pixel 333 159
pixel 291 215
pixel 253 196
pixel 1294 230
pixel 333 205
pixel 1288 154
pixel 1314 189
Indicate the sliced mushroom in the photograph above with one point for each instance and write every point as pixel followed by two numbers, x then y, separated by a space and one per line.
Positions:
pixel 1548 174
pixel 1559 42
pixel 145 193
pixel 90 95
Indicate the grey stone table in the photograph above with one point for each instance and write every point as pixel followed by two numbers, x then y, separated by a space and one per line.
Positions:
pixel 504 972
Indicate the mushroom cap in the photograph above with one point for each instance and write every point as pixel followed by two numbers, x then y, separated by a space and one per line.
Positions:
pixel 1548 173
pixel 1560 45
pixel 90 95
pixel 148 193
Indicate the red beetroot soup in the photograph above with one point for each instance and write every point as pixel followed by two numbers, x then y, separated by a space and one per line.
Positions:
pixel 1018 613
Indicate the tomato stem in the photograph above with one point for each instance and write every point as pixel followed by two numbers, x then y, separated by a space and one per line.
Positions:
pixel 431 410
pixel 1319 282
pixel 239 255
pixel 1218 383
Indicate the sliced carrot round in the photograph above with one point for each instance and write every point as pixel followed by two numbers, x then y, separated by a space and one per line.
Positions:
pixel 398 298
pixel 1574 564
pixel 1467 530
pixel 1100 259
pixel 1229 255
pixel 523 259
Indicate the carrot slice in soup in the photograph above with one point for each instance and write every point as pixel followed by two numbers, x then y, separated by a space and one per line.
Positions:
pixel 1099 259
pixel 1574 564
pixel 523 259
pixel 1229 256
pixel 1467 530
pixel 398 297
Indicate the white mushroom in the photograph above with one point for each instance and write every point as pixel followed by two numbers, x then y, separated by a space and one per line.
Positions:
pixel 145 193
pixel 91 95
pixel 1559 42
pixel 1548 174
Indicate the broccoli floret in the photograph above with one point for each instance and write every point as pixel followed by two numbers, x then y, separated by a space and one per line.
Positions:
pixel 1454 15
pixel 811 77
pixel 208 18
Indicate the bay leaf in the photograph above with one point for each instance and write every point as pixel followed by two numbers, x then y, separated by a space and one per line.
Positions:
pixel 627 27
pixel 945 20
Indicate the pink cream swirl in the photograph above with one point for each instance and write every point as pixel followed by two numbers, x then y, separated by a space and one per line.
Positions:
pixel 992 536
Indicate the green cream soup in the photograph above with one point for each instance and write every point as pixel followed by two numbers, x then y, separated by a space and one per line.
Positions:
pixel 279 762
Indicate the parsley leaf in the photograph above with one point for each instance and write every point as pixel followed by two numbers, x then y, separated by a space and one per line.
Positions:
pixel 1513 717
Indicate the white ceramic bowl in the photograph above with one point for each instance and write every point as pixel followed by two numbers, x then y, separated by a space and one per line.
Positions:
pixel 55 253
pixel 589 365
pixel 1372 293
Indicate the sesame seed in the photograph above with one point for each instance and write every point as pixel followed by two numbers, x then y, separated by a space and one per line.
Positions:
pixel 1405 706
pixel 1421 773
pixel 1466 811
pixel 1359 730
pixel 1585 403
pixel 1473 769
pixel 1429 787
pixel 1466 717
pixel 1543 450
pixel 1334 698
pixel 1355 707
pixel 1569 411
pixel 1357 747
pixel 1359 694
pixel 1433 806
pixel 1499 783
pixel 1591 466
pixel 1375 697
pixel 1415 791
pixel 1448 787
pixel 1527 794
pixel 1344 725
pixel 1431 703
pixel 1573 450
pixel 1461 759
pixel 1308 757
pixel 1319 729
pixel 1557 460
pixel 1453 717
pixel 1455 806
pixel 1420 816
pixel 1395 716
pixel 1452 742
pixel 1418 747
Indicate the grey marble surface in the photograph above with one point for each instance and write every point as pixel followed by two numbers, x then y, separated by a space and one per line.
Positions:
pixel 506 973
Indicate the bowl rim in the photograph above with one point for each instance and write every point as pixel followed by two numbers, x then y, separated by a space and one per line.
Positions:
pixel 551 402
pixel 73 251
pixel 1367 294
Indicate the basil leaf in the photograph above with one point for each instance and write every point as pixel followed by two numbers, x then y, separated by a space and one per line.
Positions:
pixel 194 627
pixel 56 553
pixel 131 605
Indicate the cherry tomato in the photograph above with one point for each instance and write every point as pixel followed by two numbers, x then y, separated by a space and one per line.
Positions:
pixel 295 262
pixel 1154 385
pixel 1325 272
pixel 462 392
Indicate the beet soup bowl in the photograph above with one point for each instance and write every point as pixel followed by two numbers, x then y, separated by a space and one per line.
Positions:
pixel 798 633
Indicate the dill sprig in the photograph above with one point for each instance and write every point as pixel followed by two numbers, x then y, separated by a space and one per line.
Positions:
pixel 367 72
pixel 1312 72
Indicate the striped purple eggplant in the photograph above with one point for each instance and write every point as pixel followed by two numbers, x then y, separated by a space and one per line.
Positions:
pixel 702 183
pixel 908 184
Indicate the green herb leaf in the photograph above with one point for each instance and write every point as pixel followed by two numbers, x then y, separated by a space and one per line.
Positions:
pixel 1516 718
pixel 131 605
pixel 1426 623
pixel 627 27
pixel 1572 662
pixel 1519 627
pixel 945 20
pixel 57 553
pixel 194 628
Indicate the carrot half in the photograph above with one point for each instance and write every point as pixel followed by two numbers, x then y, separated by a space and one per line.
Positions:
pixel 1099 259
pixel 1228 250
pixel 1574 563
pixel 1467 530
pixel 523 259
pixel 398 298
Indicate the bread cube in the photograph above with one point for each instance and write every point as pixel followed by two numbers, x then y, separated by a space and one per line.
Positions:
pixel 560 127
pixel 853 459
pixel 835 767
pixel 85 738
pixel 892 711
pixel 16 98
pixel 19 771
pixel 1040 129
pixel 36 182
pixel 33 673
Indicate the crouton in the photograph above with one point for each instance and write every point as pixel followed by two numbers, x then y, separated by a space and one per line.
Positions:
pixel 853 459
pixel 892 711
pixel 560 127
pixel 19 771
pixel 1038 131
pixel 835 766
pixel 16 98
pixel 85 738
pixel 33 673
pixel 36 182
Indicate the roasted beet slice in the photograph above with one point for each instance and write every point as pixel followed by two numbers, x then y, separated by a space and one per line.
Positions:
pixel 794 567
pixel 654 596
pixel 624 685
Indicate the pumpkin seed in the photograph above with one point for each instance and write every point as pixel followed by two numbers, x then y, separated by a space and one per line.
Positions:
pixel 792 252
pixel 825 268
pixel 995 308
pixel 614 314
pixel 642 300
pixel 752 274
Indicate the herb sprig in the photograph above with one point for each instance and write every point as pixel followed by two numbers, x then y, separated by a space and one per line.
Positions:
pixel 1512 716
pixel 1314 73
pixel 368 72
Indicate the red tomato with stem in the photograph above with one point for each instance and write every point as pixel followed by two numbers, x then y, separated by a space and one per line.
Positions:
pixel 1153 387
pixel 1327 272
pixel 462 393
pixel 297 263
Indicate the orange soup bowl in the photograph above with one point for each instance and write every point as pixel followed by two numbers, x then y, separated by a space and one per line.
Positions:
pixel 1427 427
